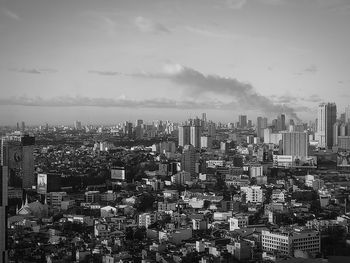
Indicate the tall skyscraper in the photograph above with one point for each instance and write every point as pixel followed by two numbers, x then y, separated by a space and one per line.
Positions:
pixel 261 124
pixel 211 129
pixel 17 170
pixel 128 129
pixel 77 125
pixel 281 122
pixel 3 215
pixel 184 135
pixel 204 117
pixel 326 117
pixel 188 160
pixel 347 114
pixel 18 160
pixel 242 119
pixel 295 143
pixel 23 128
pixel 195 136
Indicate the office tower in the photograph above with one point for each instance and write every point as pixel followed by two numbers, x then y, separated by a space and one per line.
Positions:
pixel 295 143
pixel 17 170
pixel 77 125
pixel 195 136
pixel 18 160
pixel 342 117
pixel 211 129
pixel 274 124
pixel 139 132
pixel 184 135
pixel 128 129
pixel 249 125
pixel 281 123
pixel 17 127
pixel 242 119
pixel 3 215
pixel 188 160
pixel 204 117
pixel 139 122
pixel 23 128
pixel 327 116
pixel 261 124
pixel 347 114
pixel 336 133
pixel 206 142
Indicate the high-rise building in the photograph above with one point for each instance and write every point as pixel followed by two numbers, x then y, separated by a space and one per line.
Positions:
pixel 206 142
pixel 347 114
pixel 281 122
pixel 17 171
pixel 3 215
pixel 327 116
pixel 295 143
pixel 195 136
pixel 242 119
pixel 261 124
pixel 184 135
pixel 188 160
pixel 204 117
pixel 18 160
pixel 23 128
pixel 139 122
pixel 211 129
pixel 128 129
pixel 77 125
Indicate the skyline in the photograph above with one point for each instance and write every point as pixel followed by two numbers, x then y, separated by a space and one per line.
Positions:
pixel 116 60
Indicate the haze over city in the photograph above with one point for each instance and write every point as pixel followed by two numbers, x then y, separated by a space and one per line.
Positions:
pixel 107 61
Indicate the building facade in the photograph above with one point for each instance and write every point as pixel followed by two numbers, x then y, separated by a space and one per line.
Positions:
pixel 326 117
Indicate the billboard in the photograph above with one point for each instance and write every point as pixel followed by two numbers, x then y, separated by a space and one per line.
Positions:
pixel 118 173
pixel 343 159
pixel 294 161
pixel 42 184
pixel 15 156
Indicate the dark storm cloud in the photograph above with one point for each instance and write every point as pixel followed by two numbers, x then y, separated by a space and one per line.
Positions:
pixel 240 93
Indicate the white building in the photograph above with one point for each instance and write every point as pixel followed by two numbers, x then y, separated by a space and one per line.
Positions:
pixel 287 241
pixel 238 222
pixel 108 211
pixel 255 171
pixel 146 219
pixel 253 194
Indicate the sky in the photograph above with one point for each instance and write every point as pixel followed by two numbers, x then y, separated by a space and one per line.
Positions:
pixel 109 61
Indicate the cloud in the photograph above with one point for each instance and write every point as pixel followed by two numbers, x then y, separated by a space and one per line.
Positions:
pixel 208 33
pixel 33 70
pixel 10 14
pixel 274 2
pixel 239 93
pixel 311 69
pixel 123 102
pixel 290 99
pixel 235 4
pixel 105 73
pixel 148 26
